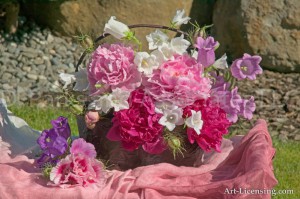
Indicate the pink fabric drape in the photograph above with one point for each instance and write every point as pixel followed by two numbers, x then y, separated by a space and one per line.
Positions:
pixel 244 163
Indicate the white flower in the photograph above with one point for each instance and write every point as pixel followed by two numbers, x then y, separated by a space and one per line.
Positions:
pixel 82 82
pixel 159 56
pixel 179 18
pixel 102 104
pixel 156 39
pixel 80 77
pixel 161 107
pixel 195 54
pixel 221 63
pixel 171 118
pixel 146 63
pixel 67 78
pixel 119 99
pixel 116 28
pixel 164 52
pixel 179 45
pixel 195 121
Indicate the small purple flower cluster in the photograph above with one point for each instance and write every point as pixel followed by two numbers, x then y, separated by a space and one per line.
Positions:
pixel 54 142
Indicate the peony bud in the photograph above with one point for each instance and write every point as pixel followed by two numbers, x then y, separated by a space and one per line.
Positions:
pixel 91 118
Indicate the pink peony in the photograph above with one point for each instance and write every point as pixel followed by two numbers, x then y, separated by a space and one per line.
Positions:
pixel 77 170
pixel 215 124
pixel 178 81
pixel 112 67
pixel 80 146
pixel 138 125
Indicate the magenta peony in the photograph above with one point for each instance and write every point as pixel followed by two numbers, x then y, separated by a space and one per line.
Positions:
pixel 215 124
pixel 112 67
pixel 178 81
pixel 138 125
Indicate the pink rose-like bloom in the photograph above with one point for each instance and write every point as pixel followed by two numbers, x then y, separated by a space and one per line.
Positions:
pixel 80 146
pixel 138 125
pixel 215 124
pixel 77 170
pixel 112 67
pixel 178 81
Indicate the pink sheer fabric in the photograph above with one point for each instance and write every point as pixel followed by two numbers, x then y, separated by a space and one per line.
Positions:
pixel 244 163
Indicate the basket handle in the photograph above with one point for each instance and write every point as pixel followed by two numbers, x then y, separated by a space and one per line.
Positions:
pixel 130 27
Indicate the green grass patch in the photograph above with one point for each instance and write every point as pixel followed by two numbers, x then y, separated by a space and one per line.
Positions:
pixel 287 168
pixel 286 161
pixel 40 118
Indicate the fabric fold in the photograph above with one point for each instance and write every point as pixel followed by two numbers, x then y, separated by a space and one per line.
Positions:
pixel 245 163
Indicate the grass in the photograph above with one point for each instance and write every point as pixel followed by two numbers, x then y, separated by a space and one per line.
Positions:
pixel 286 162
pixel 40 118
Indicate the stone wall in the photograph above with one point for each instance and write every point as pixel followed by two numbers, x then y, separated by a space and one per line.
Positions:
pixel 270 28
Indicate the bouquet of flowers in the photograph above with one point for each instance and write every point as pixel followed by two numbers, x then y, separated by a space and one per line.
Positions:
pixel 176 92
pixel 179 84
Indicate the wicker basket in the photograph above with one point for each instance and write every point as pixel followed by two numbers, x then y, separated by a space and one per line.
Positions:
pixel 118 158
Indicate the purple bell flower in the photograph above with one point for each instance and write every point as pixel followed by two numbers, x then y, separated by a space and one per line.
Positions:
pixel 247 108
pixel 206 51
pixel 62 127
pixel 246 67
pixel 52 144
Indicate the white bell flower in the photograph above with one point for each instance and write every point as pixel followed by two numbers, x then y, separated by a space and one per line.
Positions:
pixel 195 54
pixel 116 28
pixel 179 44
pixel 146 63
pixel 171 118
pixel 167 52
pixel 119 99
pixel 195 121
pixel 80 77
pixel 179 18
pixel 156 39
pixel 159 56
pixel 161 107
pixel 102 104
pixel 67 79
pixel 221 63
pixel 82 82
